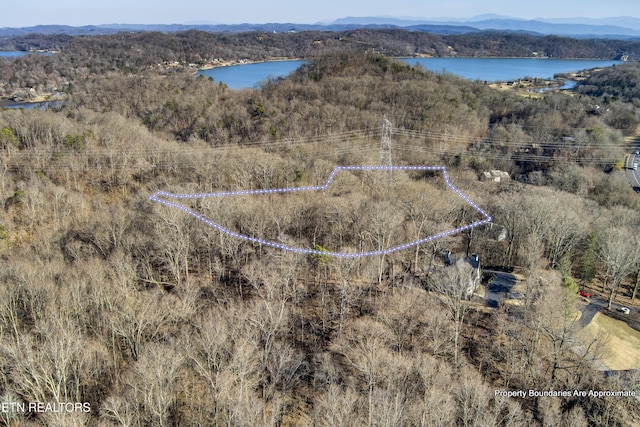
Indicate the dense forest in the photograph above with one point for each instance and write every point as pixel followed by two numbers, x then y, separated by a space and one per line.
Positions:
pixel 614 83
pixel 196 46
pixel 154 318
pixel 81 57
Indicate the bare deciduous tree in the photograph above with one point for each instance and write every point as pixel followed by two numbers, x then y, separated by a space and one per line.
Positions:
pixel 618 251
pixel 337 407
pixel 152 380
pixel 452 285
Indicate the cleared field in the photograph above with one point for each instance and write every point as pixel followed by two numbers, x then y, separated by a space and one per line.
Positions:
pixel 622 349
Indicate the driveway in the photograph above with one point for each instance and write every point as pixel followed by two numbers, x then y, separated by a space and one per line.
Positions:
pixel 501 284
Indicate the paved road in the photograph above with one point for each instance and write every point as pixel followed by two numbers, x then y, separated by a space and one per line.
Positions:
pixel 596 304
pixel 588 311
pixel 503 283
pixel 593 305
pixel 634 175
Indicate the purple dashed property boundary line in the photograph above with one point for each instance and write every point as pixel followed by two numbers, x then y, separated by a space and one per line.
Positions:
pixel 156 198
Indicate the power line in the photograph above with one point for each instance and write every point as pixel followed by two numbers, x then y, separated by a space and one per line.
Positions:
pixel 385 145
pixel 518 150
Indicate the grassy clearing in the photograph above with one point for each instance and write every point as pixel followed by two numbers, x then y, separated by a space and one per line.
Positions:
pixel 622 350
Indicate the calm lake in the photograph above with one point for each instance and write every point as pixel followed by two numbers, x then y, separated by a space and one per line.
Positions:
pixel 28 105
pixel 485 69
pixel 505 69
pixel 249 75
pixel 5 54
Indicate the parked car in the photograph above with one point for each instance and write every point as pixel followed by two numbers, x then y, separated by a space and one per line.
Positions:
pixel 624 310
pixel 584 293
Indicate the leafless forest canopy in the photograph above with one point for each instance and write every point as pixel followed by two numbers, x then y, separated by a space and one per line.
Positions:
pixel 157 319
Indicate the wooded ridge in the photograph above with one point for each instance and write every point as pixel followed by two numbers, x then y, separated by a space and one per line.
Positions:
pixel 195 45
pixel 154 318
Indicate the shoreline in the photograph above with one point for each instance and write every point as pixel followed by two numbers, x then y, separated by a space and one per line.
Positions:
pixel 41 100
pixel 231 63
pixel 426 56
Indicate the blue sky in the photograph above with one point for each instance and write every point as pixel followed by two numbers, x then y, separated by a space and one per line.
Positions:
pixel 85 12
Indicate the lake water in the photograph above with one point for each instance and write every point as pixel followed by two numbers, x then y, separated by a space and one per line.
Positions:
pixel 249 75
pixel 505 69
pixel 485 69
pixel 28 105
pixel 5 54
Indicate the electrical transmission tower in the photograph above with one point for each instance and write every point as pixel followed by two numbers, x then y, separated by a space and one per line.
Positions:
pixel 385 146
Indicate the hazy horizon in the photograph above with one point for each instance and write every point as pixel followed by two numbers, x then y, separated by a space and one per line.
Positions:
pixel 192 12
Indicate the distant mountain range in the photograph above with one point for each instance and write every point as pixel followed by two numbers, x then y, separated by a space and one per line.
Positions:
pixel 616 27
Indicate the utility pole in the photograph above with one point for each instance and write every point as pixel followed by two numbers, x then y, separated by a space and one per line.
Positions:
pixel 385 147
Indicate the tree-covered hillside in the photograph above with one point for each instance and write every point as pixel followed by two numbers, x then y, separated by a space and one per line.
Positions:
pixel 621 82
pixel 155 318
